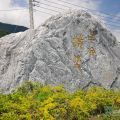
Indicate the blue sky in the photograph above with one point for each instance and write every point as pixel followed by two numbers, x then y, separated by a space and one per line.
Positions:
pixel 21 17
pixel 21 3
pixel 110 6
pixel 104 6
pixel 107 6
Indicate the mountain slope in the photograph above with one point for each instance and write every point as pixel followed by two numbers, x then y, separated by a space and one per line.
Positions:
pixel 9 28
pixel 73 49
pixel 3 33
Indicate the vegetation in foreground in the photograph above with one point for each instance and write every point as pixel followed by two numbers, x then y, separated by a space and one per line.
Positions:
pixel 33 101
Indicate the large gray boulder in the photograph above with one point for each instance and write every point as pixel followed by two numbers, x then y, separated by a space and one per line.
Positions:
pixel 60 52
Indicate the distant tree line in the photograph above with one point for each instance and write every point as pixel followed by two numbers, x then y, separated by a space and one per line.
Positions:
pixel 6 29
pixel 3 33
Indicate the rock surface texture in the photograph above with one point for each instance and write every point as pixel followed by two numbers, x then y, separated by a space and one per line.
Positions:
pixel 73 49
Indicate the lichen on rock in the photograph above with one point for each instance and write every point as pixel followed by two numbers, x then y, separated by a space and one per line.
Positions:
pixel 46 54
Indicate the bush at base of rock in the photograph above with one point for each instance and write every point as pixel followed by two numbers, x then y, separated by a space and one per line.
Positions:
pixel 33 101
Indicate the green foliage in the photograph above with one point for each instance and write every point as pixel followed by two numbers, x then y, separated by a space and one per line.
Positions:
pixel 3 33
pixel 32 101
pixel 6 29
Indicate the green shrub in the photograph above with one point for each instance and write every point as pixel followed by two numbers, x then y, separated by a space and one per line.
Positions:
pixel 32 101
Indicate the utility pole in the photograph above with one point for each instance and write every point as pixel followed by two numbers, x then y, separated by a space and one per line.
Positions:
pixel 31 14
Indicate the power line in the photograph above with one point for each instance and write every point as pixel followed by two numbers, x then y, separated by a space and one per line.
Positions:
pixel 87 8
pixel 56 11
pixel 51 6
pixel 106 17
pixel 58 4
pixel 38 5
pixel 53 14
pixel 64 9
pixel 35 1
pixel 95 12
pixel 109 20
pixel 97 15
pixel 43 12
pixel 102 23
pixel 113 25
pixel 48 9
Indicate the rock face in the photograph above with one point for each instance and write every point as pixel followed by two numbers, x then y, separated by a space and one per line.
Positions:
pixel 73 49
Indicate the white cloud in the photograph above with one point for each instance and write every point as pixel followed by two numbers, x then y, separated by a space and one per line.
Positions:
pixel 5 4
pixel 13 17
pixel 21 17
pixel 61 7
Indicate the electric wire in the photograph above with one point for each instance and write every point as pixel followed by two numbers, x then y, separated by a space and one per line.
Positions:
pixel 87 8
pixel 51 6
pixel 42 12
pixel 116 25
pixel 111 21
pixel 95 11
pixel 48 9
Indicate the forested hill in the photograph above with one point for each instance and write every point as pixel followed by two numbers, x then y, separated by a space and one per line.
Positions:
pixel 9 28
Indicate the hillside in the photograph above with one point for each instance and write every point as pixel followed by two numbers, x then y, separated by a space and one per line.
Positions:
pixel 3 33
pixel 9 28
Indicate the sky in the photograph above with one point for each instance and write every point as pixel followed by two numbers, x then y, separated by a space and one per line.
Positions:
pixel 16 11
